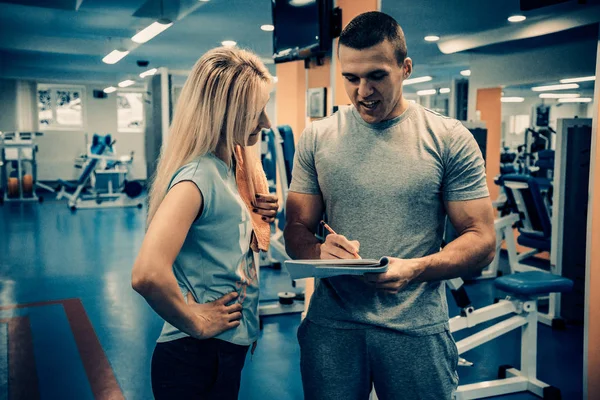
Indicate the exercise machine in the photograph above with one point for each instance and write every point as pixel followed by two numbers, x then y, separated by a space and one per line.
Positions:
pixel 106 173
pixel 277 159
pixel 570 218
pixel 19 167
pixel 518 310
pixel 548 211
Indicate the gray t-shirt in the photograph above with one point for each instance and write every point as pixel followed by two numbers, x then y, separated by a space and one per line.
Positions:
pixel 216 258
pixel 385 185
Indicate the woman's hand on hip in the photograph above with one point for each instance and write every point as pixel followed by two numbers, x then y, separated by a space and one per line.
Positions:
pixel 215 317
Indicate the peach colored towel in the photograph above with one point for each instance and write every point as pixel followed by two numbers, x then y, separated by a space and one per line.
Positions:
pixel 262 229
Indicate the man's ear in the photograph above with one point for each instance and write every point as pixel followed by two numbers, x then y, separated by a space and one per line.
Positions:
pixel 408 67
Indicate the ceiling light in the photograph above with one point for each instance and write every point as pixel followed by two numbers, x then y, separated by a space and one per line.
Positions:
pixel 126 83
pixel 228 43
pixel 465 72
pixel 110 89
pixel 114 56
pixel 558 95
pixel 517 18
pixel 151 30
pixel 204 1
pixel 150 72
pixel 267 28
pixel 420 79
pixel 555 87
pixel 512 99
pixel 300 3
pixel 582 79
pixel 578 100
pixel 445 90
pixel 427 92
pixel 432 38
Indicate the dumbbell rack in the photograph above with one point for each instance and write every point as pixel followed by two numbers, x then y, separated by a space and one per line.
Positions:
pixel 18 147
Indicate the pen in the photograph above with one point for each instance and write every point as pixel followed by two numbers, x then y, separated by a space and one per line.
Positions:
pixel 355 254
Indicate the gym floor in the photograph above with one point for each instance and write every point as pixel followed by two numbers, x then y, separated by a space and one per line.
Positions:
pixel 71 327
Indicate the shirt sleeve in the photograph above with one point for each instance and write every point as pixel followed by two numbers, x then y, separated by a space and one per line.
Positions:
pixel 304 174
pixel 201 176
pixel 464 173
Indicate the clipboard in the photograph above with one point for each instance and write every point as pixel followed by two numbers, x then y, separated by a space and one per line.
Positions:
pixel 300 269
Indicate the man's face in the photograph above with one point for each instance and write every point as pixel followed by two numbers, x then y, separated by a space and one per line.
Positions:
pixel 373 80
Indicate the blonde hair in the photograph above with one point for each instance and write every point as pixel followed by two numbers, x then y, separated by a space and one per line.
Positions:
pixel 220 105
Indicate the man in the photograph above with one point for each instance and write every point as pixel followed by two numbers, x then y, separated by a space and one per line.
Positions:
pixel 386 172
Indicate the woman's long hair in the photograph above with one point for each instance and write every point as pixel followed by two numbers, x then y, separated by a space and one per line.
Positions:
pixel 220 105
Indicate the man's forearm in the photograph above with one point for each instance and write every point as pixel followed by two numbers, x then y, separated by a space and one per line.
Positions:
pixel 465 255
pixel 300 242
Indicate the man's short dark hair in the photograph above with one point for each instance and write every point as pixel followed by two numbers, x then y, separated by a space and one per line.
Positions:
pixel 370 29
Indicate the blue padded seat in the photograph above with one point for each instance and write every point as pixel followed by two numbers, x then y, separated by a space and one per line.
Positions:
pixel 534 240
pixel 533 283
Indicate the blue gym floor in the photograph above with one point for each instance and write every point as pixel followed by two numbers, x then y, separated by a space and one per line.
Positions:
pixel 71 327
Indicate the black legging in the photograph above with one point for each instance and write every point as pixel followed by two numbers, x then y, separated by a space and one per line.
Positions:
pixel 197 369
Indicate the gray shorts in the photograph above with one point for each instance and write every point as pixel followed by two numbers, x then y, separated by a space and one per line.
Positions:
pixel 346 363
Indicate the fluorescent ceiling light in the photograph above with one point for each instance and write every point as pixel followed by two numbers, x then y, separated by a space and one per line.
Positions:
pixel 114 56
pixel 150 31
pixel 427 92
pixel 517 18
pixel 466 72
pixel 512 99
pixel 445 90
pixel 582 79
pixel 578 100
pixel 300 3
pixel 110 89
pixel 267 28
pixel 126 83
pixel 555 87
pixel 420 79
pixel 432 38
pixel 558 95
pixel 228 43
pixel 150 72
pixel 204 1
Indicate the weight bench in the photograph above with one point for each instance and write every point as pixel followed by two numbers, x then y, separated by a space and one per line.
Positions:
pixel 525 193
pixel 98 147
pixel 521 308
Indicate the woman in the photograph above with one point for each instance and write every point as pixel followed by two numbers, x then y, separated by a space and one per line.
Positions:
pixel 196 267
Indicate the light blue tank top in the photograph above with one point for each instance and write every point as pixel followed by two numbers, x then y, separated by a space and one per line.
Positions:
pixel 216 258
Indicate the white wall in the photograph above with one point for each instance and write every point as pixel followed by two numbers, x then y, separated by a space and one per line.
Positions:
pixel 539 65
pixel 59 148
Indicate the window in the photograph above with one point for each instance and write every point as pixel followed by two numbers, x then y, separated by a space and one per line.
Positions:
pixel 60 107
pixel 130 111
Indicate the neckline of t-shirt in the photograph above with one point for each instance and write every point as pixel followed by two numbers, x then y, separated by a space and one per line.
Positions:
pixel 384 124
pixel 222 165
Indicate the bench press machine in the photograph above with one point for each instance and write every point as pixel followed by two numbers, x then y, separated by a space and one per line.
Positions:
pixel 520 310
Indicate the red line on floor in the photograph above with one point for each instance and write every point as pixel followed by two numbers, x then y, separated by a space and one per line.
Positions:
pixel 35 304
pixel 22 373
pixel 97 368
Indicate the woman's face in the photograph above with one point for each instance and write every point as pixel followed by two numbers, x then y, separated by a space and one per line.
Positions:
pixel 263 123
